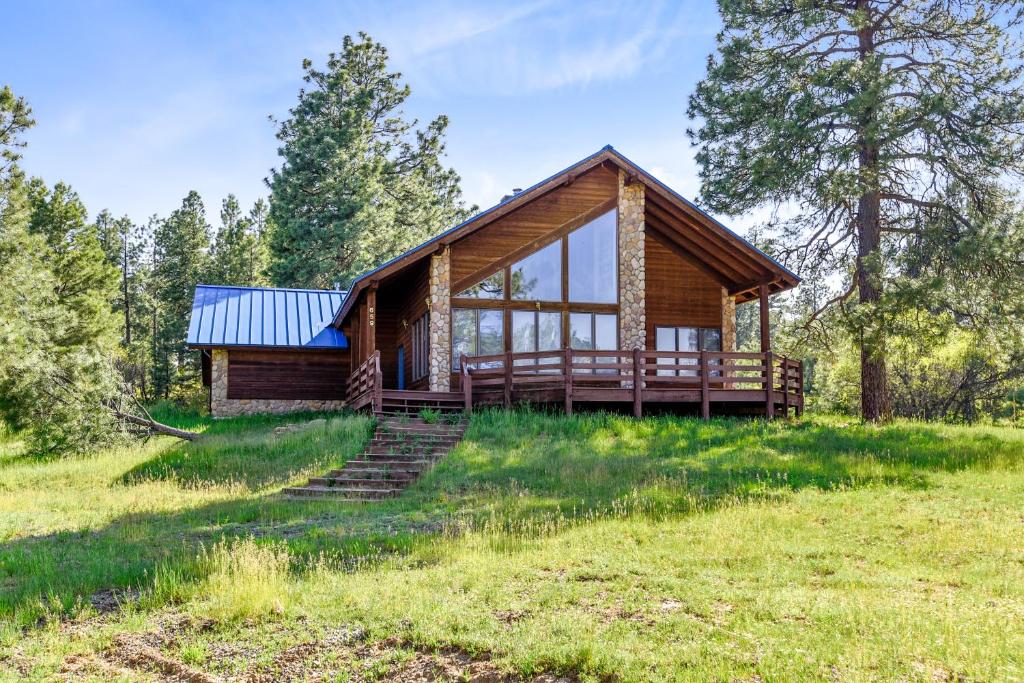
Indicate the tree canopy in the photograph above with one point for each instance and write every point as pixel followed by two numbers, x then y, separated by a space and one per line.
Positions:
pixel 358 183
pixel 883 131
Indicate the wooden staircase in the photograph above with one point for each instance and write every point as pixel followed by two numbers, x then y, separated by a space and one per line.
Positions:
pixel 402 448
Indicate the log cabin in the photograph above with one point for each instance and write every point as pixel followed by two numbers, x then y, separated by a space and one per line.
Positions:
pixel 598 286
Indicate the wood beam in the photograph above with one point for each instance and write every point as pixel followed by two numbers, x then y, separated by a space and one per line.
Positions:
pixel 371 319
pixel 744 268
pixel 766 336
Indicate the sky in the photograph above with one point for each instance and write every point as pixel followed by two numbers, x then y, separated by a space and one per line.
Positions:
pixel 138 103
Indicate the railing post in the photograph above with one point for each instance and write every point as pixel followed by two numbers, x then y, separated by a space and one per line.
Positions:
pixel 467 384
pixel 785 387
pixel 508 379
pixel 769 385
pixel 567 373
pixel 705 394
pixel 378 385
pixel 638 407
pixel 800 390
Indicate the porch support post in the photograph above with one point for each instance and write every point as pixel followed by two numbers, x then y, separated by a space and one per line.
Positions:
pixel 440 360
pixel 766 337
pixel 705 392
pixel 632 264
pixel 567 375
pixel 728 321
pixel 371 320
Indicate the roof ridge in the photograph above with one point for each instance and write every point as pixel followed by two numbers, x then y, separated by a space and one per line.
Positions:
pixel 278 289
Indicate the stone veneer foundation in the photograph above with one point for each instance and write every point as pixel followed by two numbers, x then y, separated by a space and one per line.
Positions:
pixel 728 321
pixel 222 406
pixel 440 359
pixel 632 266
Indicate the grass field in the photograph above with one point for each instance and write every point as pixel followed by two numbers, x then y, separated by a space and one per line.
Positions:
pixel 596 547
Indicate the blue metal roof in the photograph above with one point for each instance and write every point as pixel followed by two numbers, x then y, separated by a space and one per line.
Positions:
pixel 257 316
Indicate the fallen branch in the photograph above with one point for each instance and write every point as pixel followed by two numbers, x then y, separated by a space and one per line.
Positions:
pixel 154 427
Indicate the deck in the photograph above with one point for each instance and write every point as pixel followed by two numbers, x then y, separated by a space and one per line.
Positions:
pixel 706 383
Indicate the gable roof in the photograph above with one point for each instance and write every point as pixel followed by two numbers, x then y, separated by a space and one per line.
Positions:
pixel 265 317
pixel 736 263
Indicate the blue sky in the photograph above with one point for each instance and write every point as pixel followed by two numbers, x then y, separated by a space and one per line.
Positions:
pixel 138 103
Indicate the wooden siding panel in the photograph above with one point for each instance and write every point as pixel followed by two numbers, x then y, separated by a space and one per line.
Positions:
pixel 678 293
pixel 401 299
pixel 531 221
pixel 285 374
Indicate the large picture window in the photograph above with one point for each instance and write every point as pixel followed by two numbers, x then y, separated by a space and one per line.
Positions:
pixel 563 294
pixel 538 277
pixel 476 332
pixel 593 271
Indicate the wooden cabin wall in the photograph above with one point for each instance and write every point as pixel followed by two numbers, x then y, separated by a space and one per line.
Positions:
pixel 678 293
pixel 402 299
pixel 283 374
pixel 535 219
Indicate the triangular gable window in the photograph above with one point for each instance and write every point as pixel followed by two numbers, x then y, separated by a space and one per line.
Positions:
pixel 491 287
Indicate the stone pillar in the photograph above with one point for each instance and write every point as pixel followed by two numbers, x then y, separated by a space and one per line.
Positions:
pixel 632 268
pixel 219 382
pixel 728 321
pixel 440 321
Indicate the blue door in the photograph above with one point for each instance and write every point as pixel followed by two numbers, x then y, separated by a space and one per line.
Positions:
pixel 401 367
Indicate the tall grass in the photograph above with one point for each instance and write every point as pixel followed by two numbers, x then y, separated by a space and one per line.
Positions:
pixel 595 545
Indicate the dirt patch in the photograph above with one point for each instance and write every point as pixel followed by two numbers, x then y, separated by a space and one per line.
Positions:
pixel 150 655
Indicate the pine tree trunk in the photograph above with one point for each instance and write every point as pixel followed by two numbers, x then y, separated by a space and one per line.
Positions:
pixel 874 377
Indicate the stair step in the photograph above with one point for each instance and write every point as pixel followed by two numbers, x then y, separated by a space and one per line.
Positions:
pixel 341 491
pixel 383 473
pixel 347 482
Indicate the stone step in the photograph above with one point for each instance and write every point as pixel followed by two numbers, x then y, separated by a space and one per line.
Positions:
pixel 313 490
pixel 388 473
pixel 357 482
pixel 399 429
pixel 414 440
pixel 396 458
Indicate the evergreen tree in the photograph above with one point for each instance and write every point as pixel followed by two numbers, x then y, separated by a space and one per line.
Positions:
pixel 358 183
pixel 85 283
pixel 181 245
pixel 239 256
pixel 864 115
pixel 126 246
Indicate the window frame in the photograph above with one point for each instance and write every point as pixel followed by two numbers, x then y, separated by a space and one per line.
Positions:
pixel 419 347
pixel 673 366
pixel 456 364
pixel 565 306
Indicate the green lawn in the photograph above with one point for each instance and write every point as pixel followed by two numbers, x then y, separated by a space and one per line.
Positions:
pixel 596 547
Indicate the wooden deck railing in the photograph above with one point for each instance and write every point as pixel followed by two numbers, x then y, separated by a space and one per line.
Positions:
pixel 365 385
pixel 635 376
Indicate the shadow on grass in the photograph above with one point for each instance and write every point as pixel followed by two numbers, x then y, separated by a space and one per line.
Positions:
pixel 247 451
pixel 516 465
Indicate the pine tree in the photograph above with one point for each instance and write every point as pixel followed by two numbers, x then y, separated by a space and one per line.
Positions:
pixel 239 256
pixel 358 183
pixel 181 245
pixel 86 284
pixel 861 116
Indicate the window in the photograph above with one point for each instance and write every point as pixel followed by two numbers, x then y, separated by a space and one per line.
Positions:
pixel 476 332
pixel 593 265
pixel 492 287
pixel 538 277
pixel 420 334
pixel 594 331
pixel 690 339
pixel 536 331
